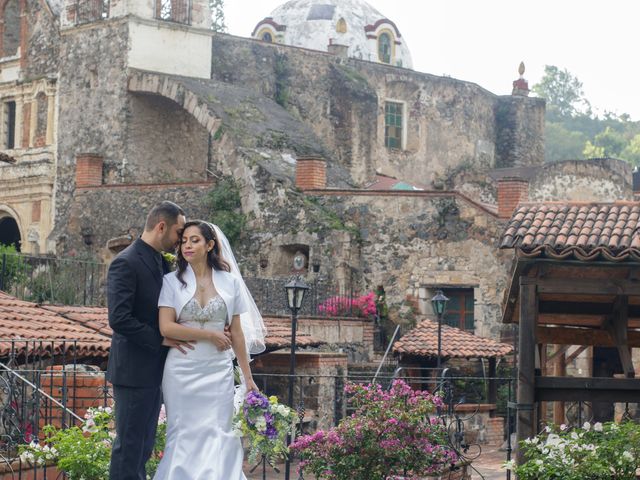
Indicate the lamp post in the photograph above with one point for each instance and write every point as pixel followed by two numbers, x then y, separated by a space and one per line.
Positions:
pixel 439 304
pixel 296 290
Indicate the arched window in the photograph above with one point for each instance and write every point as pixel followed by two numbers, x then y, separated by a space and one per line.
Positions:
pixel 178 11
pixel 267 37
pixel 384 47
pixel 341 27
pixel 11 31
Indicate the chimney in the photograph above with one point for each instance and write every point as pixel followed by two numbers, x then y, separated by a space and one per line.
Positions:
pixel 311 173
pixel 337 49
pixel 511 192
pixel 88 170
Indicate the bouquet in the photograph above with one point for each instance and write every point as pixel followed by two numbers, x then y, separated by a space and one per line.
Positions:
pixel 265 423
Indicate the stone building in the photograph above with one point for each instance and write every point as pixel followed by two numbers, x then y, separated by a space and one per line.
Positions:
pixel 352 167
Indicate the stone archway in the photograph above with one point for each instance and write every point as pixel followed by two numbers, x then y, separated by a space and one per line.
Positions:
pixel 10 232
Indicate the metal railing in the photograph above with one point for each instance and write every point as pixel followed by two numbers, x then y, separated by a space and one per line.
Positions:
pixel 69 281
pixel 177 11
pixel 53 280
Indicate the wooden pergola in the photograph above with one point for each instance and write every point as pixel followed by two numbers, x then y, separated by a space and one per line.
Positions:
pixel 576 282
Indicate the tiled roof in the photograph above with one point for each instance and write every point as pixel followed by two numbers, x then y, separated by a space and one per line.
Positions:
pixel 59 324
pixel 423 341
pixel 586 231
pixel 20 320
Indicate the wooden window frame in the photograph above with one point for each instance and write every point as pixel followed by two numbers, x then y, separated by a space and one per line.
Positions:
pixel 461 313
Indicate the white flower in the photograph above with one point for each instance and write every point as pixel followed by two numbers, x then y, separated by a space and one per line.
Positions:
pixel 539 462
pixel 563 427
pixel 627 455
pixel 509 465
pixel 586 426
pixel 597 426
pixel 547 429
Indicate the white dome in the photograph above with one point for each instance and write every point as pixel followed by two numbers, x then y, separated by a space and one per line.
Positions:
pixel 314 24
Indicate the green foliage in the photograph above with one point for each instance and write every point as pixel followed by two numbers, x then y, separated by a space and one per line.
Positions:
pixel 281 70
pixel 83 453
pixel 217 16
pixel 562 91
pixel 573 132
pixel 223 203
pixel 594 452
pixel 563 144
pixel 13 266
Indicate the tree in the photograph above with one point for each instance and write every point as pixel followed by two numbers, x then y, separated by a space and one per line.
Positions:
pixel 562 143
pixel 217 16
pixel 563 93
pixel 631 153
pixel 608 143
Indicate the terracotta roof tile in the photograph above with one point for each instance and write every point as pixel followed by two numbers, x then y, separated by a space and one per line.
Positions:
pixel 586 231
pixel 58 325
pixel 456 343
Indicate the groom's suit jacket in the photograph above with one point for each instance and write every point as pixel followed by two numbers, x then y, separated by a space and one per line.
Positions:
pixel 136 358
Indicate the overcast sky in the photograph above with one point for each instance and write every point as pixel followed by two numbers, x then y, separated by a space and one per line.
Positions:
pixel 484 41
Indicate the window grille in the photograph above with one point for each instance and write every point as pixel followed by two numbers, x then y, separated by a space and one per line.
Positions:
pixel 88 11
pixel 178 11
pixel 393 125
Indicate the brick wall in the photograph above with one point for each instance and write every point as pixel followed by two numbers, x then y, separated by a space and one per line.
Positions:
pixel 511 191
pixel 88 170
pixel 77 390
pixel 311 173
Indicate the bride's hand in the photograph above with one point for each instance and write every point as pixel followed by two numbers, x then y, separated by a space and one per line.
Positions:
pixel 251 386
pixel 220 340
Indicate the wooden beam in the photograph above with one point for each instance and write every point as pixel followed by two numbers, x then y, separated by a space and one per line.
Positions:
pixel 525 420
pixel 583 336
pixel 568 286
pixel 575 353
pixel 588 389
pixel 557 352
pixel 579 320
pixel 618 329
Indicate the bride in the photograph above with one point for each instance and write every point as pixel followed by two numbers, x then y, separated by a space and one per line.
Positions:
pixel 197 301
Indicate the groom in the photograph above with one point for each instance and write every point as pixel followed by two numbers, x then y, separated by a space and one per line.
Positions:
pixel 138 351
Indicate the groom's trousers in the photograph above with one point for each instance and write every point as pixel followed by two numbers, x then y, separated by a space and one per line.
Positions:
pixel 137 411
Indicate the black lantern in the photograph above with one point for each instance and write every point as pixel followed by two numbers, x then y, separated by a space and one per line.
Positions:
pixel 296 290
pixel 439 304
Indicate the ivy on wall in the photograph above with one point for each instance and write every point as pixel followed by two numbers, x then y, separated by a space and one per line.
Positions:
pixel 225 208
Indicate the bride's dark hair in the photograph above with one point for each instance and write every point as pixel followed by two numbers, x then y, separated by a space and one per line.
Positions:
pixel 214 259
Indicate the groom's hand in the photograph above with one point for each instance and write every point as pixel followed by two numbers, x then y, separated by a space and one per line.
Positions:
pixel 179 344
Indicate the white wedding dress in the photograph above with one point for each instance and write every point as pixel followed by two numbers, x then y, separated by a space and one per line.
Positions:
pixel 198 392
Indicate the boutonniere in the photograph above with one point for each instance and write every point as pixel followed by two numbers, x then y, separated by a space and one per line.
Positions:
pixel 170 258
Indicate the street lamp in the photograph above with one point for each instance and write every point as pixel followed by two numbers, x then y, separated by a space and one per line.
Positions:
pixel 296 290
pixel 439 304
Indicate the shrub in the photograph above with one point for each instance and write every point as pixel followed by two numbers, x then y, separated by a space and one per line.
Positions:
pixel 363 306
pixel 595 452
pixel 390 434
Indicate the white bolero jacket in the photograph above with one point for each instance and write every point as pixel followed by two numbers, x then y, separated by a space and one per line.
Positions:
pixel 175 295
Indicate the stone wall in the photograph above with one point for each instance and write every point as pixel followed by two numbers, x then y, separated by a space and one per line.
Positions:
pixel 94 111
pixel 451 123
pixel 101 213
pixel 43 45
pixel 164 144
pixel 604 180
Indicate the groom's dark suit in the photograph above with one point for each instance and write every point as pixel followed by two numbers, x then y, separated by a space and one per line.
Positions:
pixel 136 359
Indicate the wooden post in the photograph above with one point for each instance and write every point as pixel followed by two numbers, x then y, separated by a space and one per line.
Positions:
pixel 544 371
pixel 525 420
pixel 560 370
pixel 492 390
